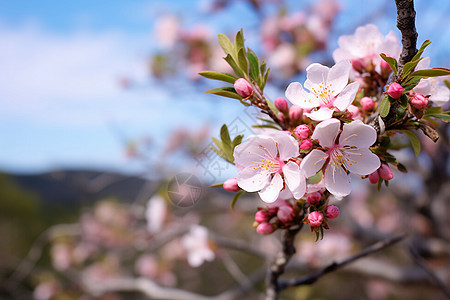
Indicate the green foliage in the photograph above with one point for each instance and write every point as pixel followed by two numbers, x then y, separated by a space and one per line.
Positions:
pixel 433 72
pixel 436 112
pixel 391 61
pixel 226 91
pixel 385 106
pixel 219 76
pixel 235 198
pixel 415 143
pixel 225 146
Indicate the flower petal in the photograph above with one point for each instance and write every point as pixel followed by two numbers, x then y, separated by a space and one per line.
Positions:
pixel 297 95
pixel 253 179
pixel 270 193
pixel 254 149
pixel 358 134
pixel 440 95
pixel 337 181
pixel 323 113
pixel 316 74
pixel 313 162
pixel 361 162
pixel 295 179
pixel 337 77
pixel 347 96
pixel 287 145
pixel 326 132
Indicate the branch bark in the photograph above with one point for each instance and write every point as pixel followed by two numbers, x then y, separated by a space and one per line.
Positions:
pixel 406 16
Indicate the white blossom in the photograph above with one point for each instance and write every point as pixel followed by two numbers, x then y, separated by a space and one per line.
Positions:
pixel 197 246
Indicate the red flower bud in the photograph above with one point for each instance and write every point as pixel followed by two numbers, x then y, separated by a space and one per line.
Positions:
pixel 395 90
pixel 243 88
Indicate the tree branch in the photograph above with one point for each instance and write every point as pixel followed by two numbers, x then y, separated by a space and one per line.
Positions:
pixel 310 279
pixel 406 16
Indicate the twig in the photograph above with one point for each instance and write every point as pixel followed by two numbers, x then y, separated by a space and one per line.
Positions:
pixel 406 16
pixel 418 260
pixel 278 266
pixel 310 279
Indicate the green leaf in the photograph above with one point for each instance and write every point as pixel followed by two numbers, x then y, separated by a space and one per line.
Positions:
pixel 226 91
pixel 236 141
pixel 380 181
pixel 391 61
pixel 216 185
pixel 242 59
pixel 433 72
pixel 254 66
pixel 447 83
pixel 400 114
pixel 402 168
pixel 415 143
pixel 235 198
pixel 409 66
pixel 239 41
pixel 217 142
pixel 272 107
pixel 225 137
pixel 404 101
pixel 432 110
pixel 263 84
pixel 385 106
pixel 219 76
pixel 266 126
pixel 444 117
pixel 421 49
pixel 315 178
pixel 410 83
pixel 230 60
pixel 226 44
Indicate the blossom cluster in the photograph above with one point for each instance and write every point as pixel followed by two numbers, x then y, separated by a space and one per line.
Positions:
pixel 324 132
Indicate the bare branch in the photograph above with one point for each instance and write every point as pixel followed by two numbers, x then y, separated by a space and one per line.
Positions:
pixel 310 279
pixel 406 16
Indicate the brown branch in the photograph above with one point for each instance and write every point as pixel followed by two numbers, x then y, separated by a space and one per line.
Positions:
pixel 406 16
pixel 278 266
pixel 310 279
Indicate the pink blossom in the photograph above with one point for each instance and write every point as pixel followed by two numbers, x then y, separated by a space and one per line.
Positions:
pixel 155 213
pixel 419 101
pixel 385 172
pixel 332 212
pixel 328 88
pixel 263 216
pixel 374 177
pixel 231 185
pixel 314 198
pixel 367 103
pixel 197 246
pixel 285 213
pixel 348 153
pixel 265 228
pixel 243 88
pixel 315 218
pixel 306 144
pixel 295 112
pixel 395 90
pixel 281 104
pixel 432 87
pixel 302 131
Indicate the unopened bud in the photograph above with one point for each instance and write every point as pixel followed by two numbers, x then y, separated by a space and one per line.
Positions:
pixel 302 131
pixel 281 104
pixel 265 228
pixel 419 101
pixel 374 177
pixel 285 213
pixel 367 103
pixel 295 112
pixel 314 198
pixel 231 185
pixel 358 65
pixel 262 216
pixel 243 88
pixel 385 172
pixel 332 212
pixel 395 90
pixel 384 65
pixel 315 218
pixel 281 116
pixel 306 144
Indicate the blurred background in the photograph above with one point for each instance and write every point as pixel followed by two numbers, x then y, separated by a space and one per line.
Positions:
pixel 101 105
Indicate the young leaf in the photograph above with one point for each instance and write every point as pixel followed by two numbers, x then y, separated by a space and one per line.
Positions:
pixel 216 185
pixel 391 61
pixel 226 91
pixel 415 143
pixel 421 49
pixel 385 106
pixel 236 141
pixel 242 60
pixel 266 126
pixel 218 76
pixel 409 66
pixel 433 110
pixel 230 60
pixel 254 66
pixel 225 137
pixel 447 83
pixel 226 44
pixel 239 41
pixel 433 72
pixel 235 198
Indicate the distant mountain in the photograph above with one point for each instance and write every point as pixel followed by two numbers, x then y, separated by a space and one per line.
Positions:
pixel 71 187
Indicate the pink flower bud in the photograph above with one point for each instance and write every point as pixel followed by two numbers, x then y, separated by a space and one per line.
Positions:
pixel 385 66
pixel 332 212
pixel 288 132
pixel 281 104
pixel 395 90
pixel 374 177
pixel 314 198
pixel 262 216
pixel 315 218
pixel 385 172
pixel 243 88
pixel 295 112
pixel 419 101
pixel 281 116
pixel 285 213
pixel 367 103
pixel 302 131
pixel 265 228
pixel 358 64
pixel 231 185
pixel 306 144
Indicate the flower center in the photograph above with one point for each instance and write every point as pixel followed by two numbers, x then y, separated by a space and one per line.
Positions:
pixel 325 94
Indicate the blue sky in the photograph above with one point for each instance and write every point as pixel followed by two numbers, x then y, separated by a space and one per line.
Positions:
pixel 60 62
